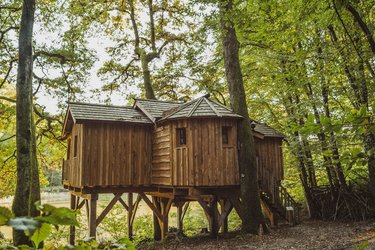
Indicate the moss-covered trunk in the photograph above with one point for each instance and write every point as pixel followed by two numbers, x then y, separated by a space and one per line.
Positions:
pixel 27 187
pixel 250 197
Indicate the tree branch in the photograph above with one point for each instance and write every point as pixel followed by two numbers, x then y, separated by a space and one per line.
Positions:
pixel 7 99
pixel 135 28
pixel 363 26
pixel 8 138
pixel 152 25
pixel 63 59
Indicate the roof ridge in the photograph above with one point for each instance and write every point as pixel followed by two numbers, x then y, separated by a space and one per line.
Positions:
pixel 101 105
pixel 155 100
pixel 195 106
pixel 179 108
pixel 208 101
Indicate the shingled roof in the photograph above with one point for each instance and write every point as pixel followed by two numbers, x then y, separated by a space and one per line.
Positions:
pixel 154 108
pixel 78 112
pixel 266 130
pixel 200 107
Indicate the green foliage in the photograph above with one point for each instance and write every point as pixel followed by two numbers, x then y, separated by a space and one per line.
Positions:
pixel 194 220
pixel 362 246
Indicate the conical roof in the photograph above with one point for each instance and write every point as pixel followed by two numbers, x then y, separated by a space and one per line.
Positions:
pixel 200 107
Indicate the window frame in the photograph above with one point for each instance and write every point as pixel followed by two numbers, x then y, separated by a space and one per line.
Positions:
pixel 181 138
pixel 227 141
pixel 75 146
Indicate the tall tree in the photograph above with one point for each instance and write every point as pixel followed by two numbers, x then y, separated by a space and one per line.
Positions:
pixel 250 198
pixel 27 188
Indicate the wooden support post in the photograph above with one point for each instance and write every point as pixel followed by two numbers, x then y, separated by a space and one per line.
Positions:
pixel 157 226
pixel 72 233
pixel 180 225
pixel 92 215
pixel 214 225
pixel 224 226
pixel 130 215
pixel 166 204
pixel 212 215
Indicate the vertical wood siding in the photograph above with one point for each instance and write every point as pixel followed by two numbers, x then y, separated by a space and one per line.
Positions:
pixel 204 160
pixel 73 166
pixel 112 154
pixel 270 162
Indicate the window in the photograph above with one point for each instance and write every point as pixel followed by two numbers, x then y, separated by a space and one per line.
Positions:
pixel 181 136
pixel 75 146
pixel 68 151
pixel 225 135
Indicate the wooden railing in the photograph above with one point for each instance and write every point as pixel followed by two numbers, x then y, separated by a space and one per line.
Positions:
pixel 288 207
pixel 282 203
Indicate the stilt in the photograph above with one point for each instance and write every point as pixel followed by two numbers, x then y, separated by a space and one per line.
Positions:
pixel 165 207
pixel 92 215
pixel 72 233
pixel 130 216
pixel 214 217
pixel 224 226
pixel 180 225
pixel 157 227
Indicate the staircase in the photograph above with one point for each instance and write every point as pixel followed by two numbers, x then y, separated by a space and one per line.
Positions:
pixel 280 204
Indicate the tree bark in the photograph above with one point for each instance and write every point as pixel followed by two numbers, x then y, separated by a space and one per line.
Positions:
pixel 24 127
pixel 246 156
pixel 357 17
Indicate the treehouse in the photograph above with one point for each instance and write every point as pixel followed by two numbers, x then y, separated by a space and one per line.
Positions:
pixel 194 144
pixel 173 152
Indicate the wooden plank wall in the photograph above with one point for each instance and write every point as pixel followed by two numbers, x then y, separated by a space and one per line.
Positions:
pixel 270 162
pixel 74 164
pixel 116 154
pixel 161 156
pixel 204 160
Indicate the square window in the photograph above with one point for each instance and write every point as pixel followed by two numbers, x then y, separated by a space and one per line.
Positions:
pixel 181 136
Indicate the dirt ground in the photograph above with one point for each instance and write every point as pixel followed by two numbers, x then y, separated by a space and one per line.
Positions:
pixel 307 235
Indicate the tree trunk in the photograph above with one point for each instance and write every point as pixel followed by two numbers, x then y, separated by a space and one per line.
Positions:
pixel 24 130
pixel 147 83
pixel 247 159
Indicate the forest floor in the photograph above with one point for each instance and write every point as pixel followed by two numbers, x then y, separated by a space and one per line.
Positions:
pixel 307 235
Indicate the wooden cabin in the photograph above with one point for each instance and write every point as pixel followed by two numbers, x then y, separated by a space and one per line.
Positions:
pixel 268 146
pixel 194 144
pixel 173 152
pixel 107 146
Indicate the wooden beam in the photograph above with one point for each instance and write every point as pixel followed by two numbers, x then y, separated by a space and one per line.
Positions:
pixel 179 217
pixel 165 207
pixel 237 206
pixel 130 215
pixel 156 221
pixel 81 204
pixel 124 204
pixel 226 208
pixel 214 218
pixel 186 206
pixel 72 231
pixel 269 214
pixel 92 216
pixel 152 206
pixel 135 208
pixel 108 208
